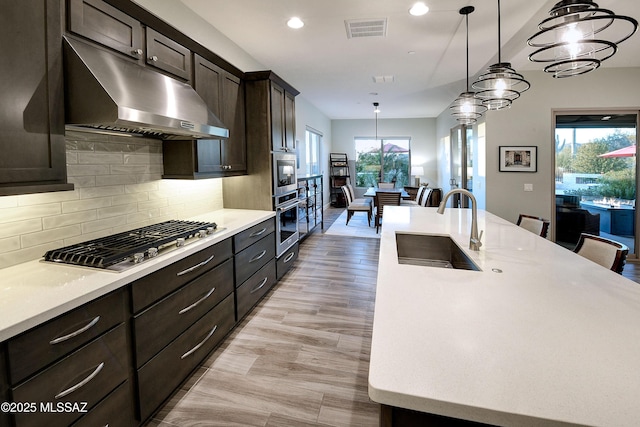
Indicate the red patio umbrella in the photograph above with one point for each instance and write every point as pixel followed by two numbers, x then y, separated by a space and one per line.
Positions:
pixel 629 151
pixel 393 148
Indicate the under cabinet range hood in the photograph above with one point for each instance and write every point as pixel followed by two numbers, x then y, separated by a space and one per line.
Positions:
pixel 106 93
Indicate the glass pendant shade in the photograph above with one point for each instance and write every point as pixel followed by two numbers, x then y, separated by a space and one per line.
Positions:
pixel 500 85
pixel 467 109
pixel 578 37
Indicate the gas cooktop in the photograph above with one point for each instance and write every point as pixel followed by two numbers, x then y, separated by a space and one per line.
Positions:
pixel 124 250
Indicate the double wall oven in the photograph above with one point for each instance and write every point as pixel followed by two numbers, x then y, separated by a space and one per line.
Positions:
pixel 285 200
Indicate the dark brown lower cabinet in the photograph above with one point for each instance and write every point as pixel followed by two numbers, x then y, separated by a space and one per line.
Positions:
pixel 86 375
pixel 125 353
pixel 286 260
pixel 149 289
pixel 254 288
pixel 249 260
pixel 115 410
pixel 4 387
pixel 53 340
pixel 159 324
pixel 392 416
pixel 159 377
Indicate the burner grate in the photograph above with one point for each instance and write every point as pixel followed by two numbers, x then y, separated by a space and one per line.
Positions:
pixel 110 250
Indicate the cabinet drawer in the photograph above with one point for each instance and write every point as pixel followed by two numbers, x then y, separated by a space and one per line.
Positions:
pixel 86 375
pixel 151 288
pixel 284 263
pixel 255 256
pixel 4 387
pixel 250 292
pixel 251 235
pixel 116 410
pixel 162 374
pixel 165 320
pixel 167 55
pixel 44 344
pixel 104 24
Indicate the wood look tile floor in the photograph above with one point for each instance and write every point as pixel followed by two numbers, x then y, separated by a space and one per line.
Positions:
pixel 301 357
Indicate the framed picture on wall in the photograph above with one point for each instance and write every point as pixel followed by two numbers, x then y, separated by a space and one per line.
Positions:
pixel 515 158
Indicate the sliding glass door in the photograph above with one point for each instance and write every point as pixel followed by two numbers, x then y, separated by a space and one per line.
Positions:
pixel 596 176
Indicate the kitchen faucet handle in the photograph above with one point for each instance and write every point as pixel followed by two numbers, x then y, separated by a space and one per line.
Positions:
pixel 477 242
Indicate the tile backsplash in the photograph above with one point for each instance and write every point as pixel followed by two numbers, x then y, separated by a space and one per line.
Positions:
pixel 118 187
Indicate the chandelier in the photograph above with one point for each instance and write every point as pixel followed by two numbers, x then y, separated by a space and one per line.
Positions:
pixel 466 108
pixel 500 85
pixel 578 37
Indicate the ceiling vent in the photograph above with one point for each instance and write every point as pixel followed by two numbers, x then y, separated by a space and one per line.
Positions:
pixel 357 28
pixel 383 79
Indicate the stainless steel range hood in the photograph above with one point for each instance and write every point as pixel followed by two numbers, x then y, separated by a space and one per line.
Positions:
pixel 108 93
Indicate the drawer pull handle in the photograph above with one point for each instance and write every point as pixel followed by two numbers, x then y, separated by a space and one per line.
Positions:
pixel 288 257
pixel 81 383
pixel 258 233
pixel 197 266
pixel 257 257
pixel 257 288
pixel 76 333
pixel 184 310
pixel 194 349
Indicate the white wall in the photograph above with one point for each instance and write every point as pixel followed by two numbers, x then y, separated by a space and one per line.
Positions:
pixel 530 122
pixel 421 131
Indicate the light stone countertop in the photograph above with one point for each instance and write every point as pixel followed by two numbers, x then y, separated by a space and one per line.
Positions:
pixel 553 339
pixel 34 292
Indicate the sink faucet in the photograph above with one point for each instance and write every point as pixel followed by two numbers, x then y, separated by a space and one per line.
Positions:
pixel 474 240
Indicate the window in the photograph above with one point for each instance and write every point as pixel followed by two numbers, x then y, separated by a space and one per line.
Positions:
pixel 382 160
pixel 313 141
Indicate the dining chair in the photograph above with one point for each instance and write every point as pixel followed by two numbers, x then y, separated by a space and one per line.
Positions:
pixel 355 199
pixel 384 198
pixel 534 224
pixel 606 252
pixel 386 185
pixel 353 206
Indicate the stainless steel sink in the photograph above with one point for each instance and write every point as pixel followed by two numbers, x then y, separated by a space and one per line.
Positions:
pixel 432 251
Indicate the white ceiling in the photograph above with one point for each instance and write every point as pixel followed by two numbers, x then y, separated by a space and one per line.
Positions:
pixel 335 73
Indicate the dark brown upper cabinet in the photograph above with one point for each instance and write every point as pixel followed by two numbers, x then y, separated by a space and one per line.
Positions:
pixel 283 119
pixel 32 142
pixel 224 95
pixel 167 55
pixel 104 24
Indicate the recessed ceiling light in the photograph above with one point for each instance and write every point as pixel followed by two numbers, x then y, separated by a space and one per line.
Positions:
pixel 419 9
pixel 295 22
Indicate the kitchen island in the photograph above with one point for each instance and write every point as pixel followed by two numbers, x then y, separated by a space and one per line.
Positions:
pixel 540 336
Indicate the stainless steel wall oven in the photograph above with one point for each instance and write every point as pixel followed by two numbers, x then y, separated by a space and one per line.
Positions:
pixel 287 233
pixel 284 173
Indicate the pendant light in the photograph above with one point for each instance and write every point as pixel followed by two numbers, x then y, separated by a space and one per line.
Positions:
pixel 574 40
pixel 467 109
pixel 500 85
pixel 376 111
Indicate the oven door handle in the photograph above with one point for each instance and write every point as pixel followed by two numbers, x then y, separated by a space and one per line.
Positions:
pixel 284 207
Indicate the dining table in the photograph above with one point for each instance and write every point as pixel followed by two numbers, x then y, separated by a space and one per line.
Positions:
pixel 371 192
